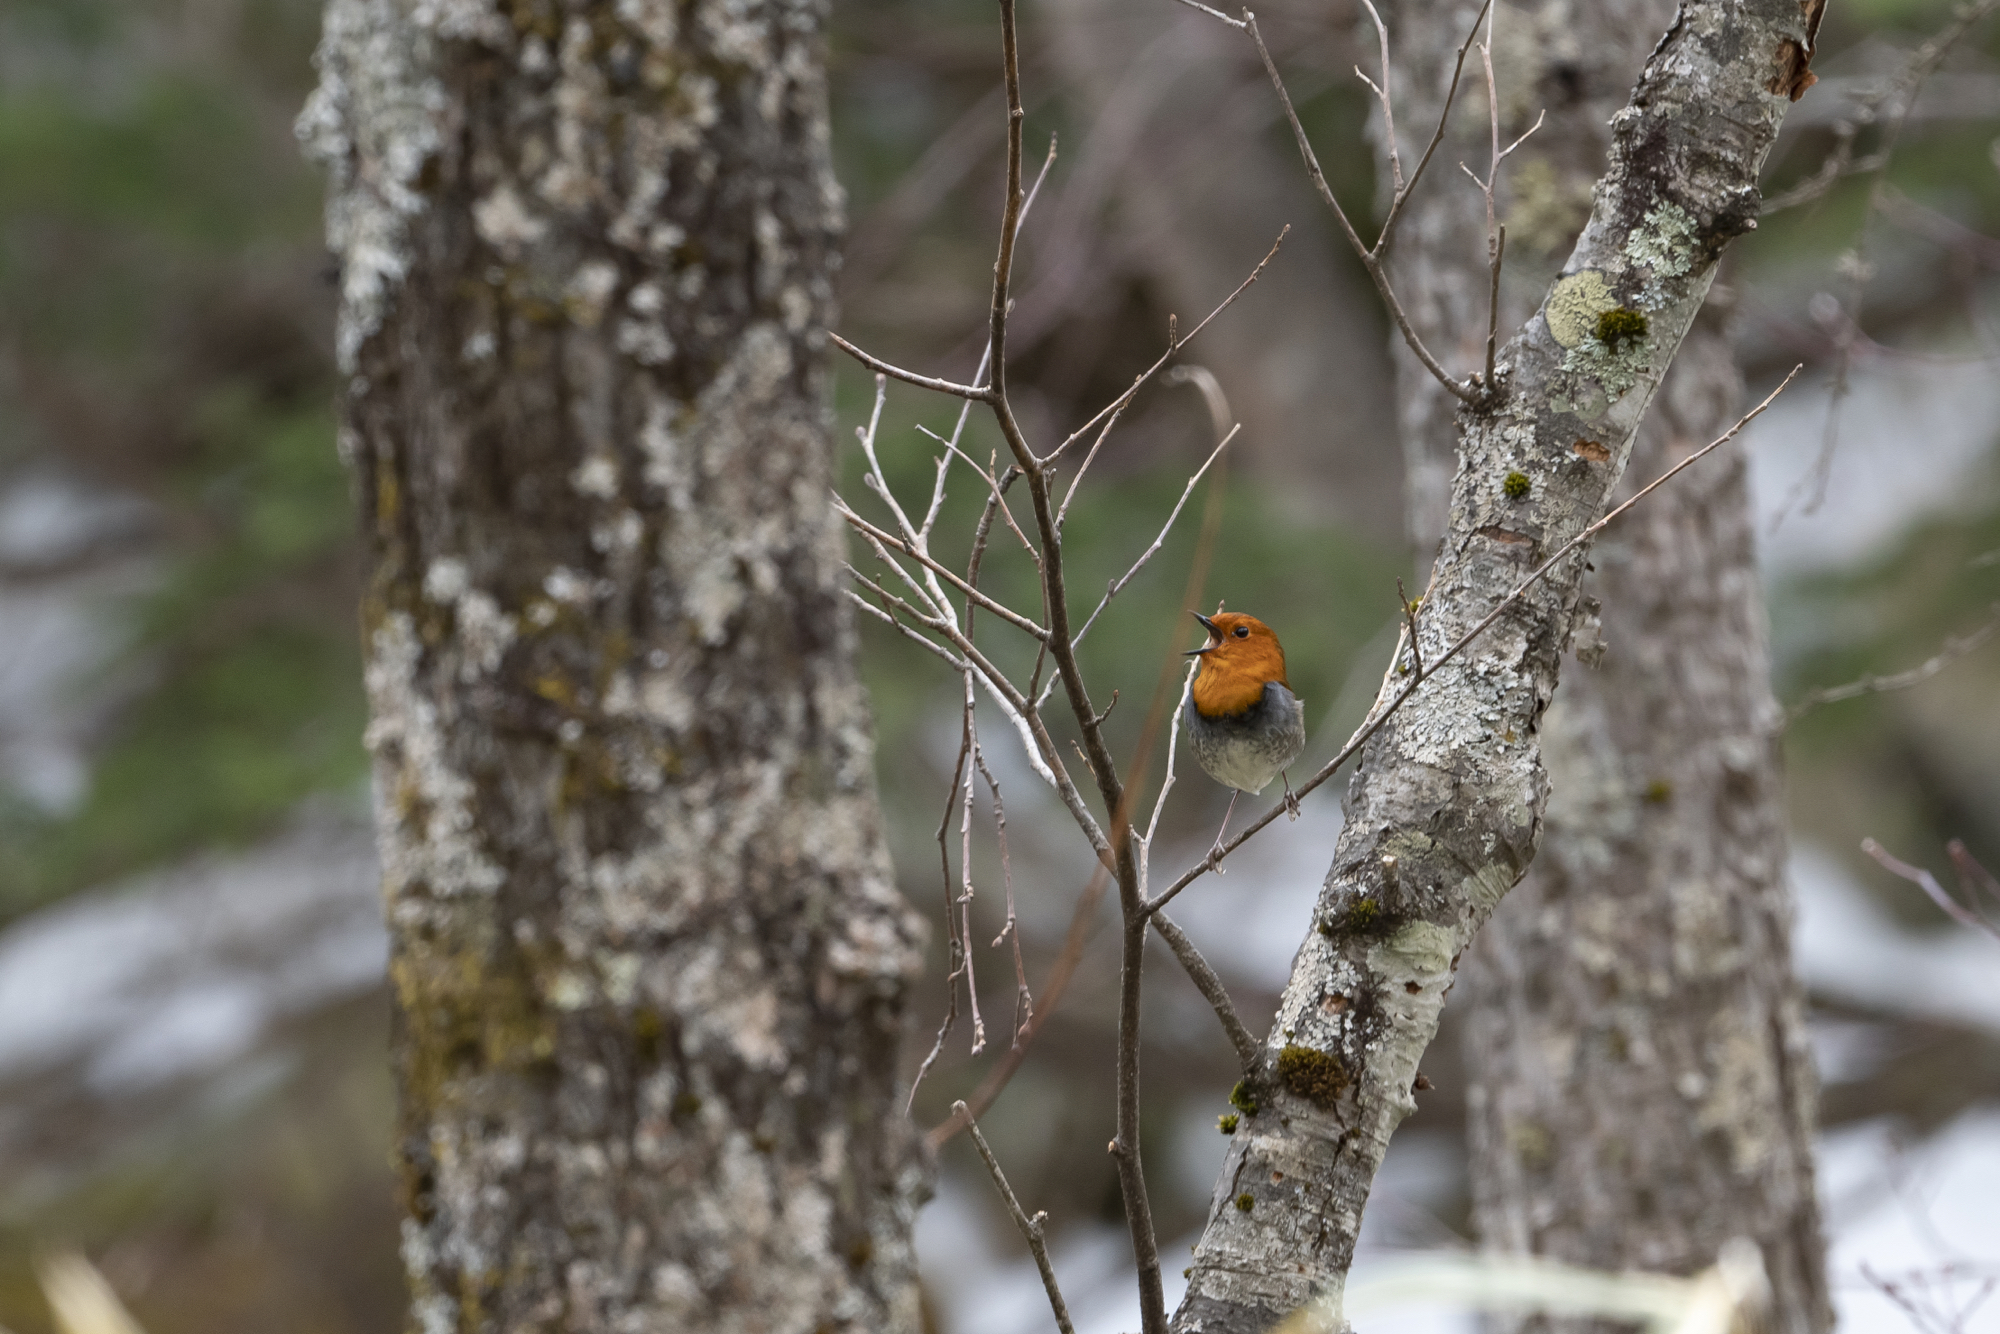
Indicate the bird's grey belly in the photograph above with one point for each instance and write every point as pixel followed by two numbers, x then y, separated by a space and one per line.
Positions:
pixel 1247 750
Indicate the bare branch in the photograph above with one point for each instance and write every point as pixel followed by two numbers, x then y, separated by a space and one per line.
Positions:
pixel 1381 90
pixel 1166 783
pixel 992 484
pixel 1871 684
pixel 1024 1000
pixel 957 664
pixel 1924 880
pixel 1062 511
pixel 1119 404
pixel 1118 585
pixel 1060 974
pixel 890 540
pixel 957 429
pixel 960 946
pixel 1211 988
pixel 881 367
pixel 1371 259
pixel 1214 13
pixel 965 893
pixel 1383 238
pixel 1031 1228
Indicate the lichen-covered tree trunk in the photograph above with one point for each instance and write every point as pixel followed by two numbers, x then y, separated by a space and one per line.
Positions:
pixel 1446 810
pixel 1641 1088
pixel 649 965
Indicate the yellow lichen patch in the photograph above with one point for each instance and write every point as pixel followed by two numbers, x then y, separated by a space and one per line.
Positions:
pixel 1574 305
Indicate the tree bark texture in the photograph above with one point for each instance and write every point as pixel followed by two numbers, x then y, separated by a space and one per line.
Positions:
pixel 1446 809
pixel 649 964
pixel 1642 1089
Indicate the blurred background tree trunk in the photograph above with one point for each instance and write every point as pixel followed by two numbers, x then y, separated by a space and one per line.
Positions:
pixel 1641 1088
pixel 649 964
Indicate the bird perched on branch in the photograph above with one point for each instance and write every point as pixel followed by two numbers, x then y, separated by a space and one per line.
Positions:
pixel 1243 720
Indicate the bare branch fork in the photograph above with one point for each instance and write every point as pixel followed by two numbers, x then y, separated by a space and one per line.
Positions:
pixel 1031 1228
pixel 1496 235
pixel 1480 388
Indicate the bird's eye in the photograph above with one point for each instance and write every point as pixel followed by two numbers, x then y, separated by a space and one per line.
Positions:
pixel 1242 632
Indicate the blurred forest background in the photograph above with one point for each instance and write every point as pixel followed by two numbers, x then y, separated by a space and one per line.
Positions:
pixel 192 1018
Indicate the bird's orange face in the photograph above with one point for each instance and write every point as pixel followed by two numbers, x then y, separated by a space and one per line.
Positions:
pixel 1241 656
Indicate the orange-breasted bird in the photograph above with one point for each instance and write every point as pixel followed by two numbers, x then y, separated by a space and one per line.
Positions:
pixel 1243 720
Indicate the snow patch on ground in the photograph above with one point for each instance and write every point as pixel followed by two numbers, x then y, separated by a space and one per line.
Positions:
pixel 179 972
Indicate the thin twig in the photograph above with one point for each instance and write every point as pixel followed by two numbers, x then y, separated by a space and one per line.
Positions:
pixel 1382 715
pixel 1871 684
pixel 1214 13
pixel 1061 972
pixel 1167 783
pixel 1496 235
pixel 1062 511
pixel 1923 879
pixel 935 566
pixel 1371 257
pixel 1117 585
pixel 1041 749
pixel 1024 1000
pixel 965 890
pixel 992 484
pixel 1211 988
pixel 960 946
pixel 881 367
pixel 1031 1228
pixel 957 663
pixel 1383 238
pixel 1118 404
pixel 1972 875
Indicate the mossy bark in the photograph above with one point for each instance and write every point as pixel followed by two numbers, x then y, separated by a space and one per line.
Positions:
pixel 1632 1001
pixel 1446 810
pixel 650 967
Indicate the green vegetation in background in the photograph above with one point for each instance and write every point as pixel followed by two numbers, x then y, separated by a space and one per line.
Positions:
pixel 1912 768
pixel 167 333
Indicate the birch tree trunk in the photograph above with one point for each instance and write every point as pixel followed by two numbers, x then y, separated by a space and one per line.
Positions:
pixel 649 965
pixel 1641 1086
pixel 1446 810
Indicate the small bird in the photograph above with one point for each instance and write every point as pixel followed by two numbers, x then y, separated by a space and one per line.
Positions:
pixel 1243 720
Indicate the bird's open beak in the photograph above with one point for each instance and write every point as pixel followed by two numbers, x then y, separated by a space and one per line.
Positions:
pixel 1214 635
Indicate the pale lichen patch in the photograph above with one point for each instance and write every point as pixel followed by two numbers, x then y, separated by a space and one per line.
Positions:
pixel 415 780
pixel 505 223
pixel 372 121
pixel 1667 242
pixel 1574 305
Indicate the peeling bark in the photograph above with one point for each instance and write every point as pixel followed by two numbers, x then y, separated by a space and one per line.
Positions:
pixel 1641 1086
pixel 649 964
pixel 1446 810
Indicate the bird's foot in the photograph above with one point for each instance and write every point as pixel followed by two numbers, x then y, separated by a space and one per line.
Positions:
pixel 1291 800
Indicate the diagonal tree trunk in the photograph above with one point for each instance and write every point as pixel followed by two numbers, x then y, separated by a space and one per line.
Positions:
pixel 1446 810
pixel 1641 1087
pixel 650 968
